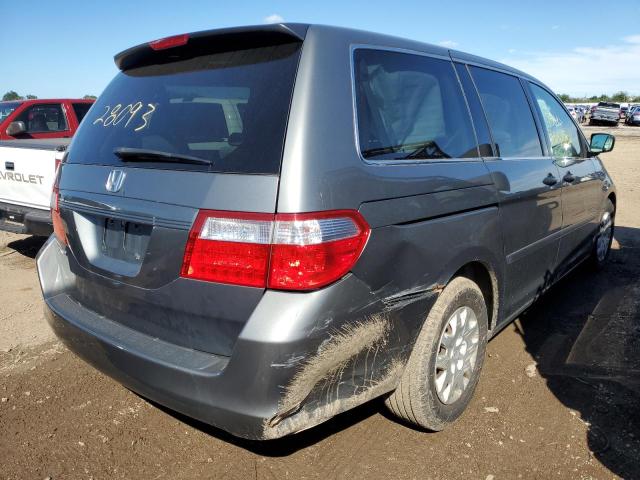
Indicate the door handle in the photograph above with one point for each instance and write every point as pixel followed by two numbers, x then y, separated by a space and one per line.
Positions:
pixel 550 180
pixel 9 165
pixel 569 178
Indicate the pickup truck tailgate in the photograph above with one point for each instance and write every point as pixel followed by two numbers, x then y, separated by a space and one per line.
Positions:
pixel 27 170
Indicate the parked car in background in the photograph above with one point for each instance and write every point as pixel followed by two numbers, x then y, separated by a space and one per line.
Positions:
pixel 623 112
pixel 573 111
pixel 605 112
pixel 577 112
pixel 633 117
pixel 29 119
pixel 262 227
pixel 27 170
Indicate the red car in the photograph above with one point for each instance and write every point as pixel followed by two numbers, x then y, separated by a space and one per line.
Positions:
pixel 56 118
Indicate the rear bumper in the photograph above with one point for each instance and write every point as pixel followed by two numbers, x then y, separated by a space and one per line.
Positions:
pixel 296 363
pixel 28 220
pixel 603 118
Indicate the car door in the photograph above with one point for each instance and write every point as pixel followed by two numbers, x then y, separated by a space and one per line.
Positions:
pixel 581 188
pixel 44 120
pixel 529 190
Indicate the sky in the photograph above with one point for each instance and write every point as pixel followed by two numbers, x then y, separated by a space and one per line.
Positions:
pixel 580 47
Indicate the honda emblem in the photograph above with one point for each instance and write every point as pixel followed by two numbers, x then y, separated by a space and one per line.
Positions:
pixel 115 180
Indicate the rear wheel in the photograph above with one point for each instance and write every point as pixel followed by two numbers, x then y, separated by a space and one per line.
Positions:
pixel 604 236
pixel 444 367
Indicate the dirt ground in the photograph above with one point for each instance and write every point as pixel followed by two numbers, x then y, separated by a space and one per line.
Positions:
pixel 559 396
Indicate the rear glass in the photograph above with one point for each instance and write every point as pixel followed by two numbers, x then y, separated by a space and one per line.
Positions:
pixel 609 105
pixel 227 108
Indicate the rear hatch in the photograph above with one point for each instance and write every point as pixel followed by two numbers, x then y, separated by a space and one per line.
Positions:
pixel 190 123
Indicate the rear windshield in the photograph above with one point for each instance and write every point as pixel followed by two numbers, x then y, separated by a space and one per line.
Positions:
pixel 7 108
pixel 227 108
pixel 608 104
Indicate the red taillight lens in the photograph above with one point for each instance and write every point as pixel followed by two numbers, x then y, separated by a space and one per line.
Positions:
pixel 170 42
pixel 56 219
pixel 229 247
pixel 284 251
pixel 315 249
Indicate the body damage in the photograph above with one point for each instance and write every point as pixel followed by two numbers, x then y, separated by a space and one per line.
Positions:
pixel 357 362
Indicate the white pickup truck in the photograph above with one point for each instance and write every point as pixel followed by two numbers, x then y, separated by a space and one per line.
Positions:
pixel 27 171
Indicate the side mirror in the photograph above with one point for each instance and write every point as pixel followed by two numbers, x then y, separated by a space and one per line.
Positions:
pixel 16 128
pixel 601 143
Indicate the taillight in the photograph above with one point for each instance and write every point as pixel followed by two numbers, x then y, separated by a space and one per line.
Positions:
pixel 284 251
pixel 228 247
pixel 56 219
pixel 170 42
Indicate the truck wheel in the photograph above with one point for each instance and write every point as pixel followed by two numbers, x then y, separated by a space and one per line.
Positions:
pixel 604 236
pixel 444 366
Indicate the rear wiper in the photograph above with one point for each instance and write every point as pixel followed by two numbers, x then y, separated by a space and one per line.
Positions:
pixel 142 155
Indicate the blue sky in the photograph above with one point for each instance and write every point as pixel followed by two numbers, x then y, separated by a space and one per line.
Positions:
pixel 65 49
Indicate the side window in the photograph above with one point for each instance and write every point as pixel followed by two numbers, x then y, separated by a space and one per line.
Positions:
pixel 510 118
pixel 43 118
pixel 562 132
pixel 410 107
pixel 81 109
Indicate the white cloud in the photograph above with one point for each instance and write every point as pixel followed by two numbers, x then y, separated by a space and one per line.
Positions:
pixel 512 51
pixel 586 70
pixel 273 18
pixel 632 39
pixel 448 44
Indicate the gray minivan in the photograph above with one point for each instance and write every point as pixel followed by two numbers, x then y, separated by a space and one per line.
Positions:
pixel 262 227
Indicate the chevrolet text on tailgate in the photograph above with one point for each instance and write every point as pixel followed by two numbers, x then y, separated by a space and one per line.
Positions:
pixel 27 171
pixel 251 223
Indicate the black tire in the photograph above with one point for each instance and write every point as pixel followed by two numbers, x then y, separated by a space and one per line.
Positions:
pixel 416 399
pixel 597 259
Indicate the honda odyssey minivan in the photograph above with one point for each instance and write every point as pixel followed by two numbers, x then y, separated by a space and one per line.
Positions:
pixel 263 227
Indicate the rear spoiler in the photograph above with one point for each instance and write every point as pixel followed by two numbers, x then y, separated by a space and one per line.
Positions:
pixel 210 41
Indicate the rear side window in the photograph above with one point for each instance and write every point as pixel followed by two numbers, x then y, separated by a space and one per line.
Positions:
pixel 43 118
pixel 562 132
pixel 81 109
pixel 510 118
pixel 227 108
pixel 410 107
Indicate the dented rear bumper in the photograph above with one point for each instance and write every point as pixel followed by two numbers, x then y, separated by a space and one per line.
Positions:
pixel 301 357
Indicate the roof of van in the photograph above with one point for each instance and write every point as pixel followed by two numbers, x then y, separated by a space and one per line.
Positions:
pixel 144 53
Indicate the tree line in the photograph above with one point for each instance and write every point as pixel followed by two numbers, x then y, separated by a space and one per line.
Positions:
pixel 13 95
pixel 618 97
